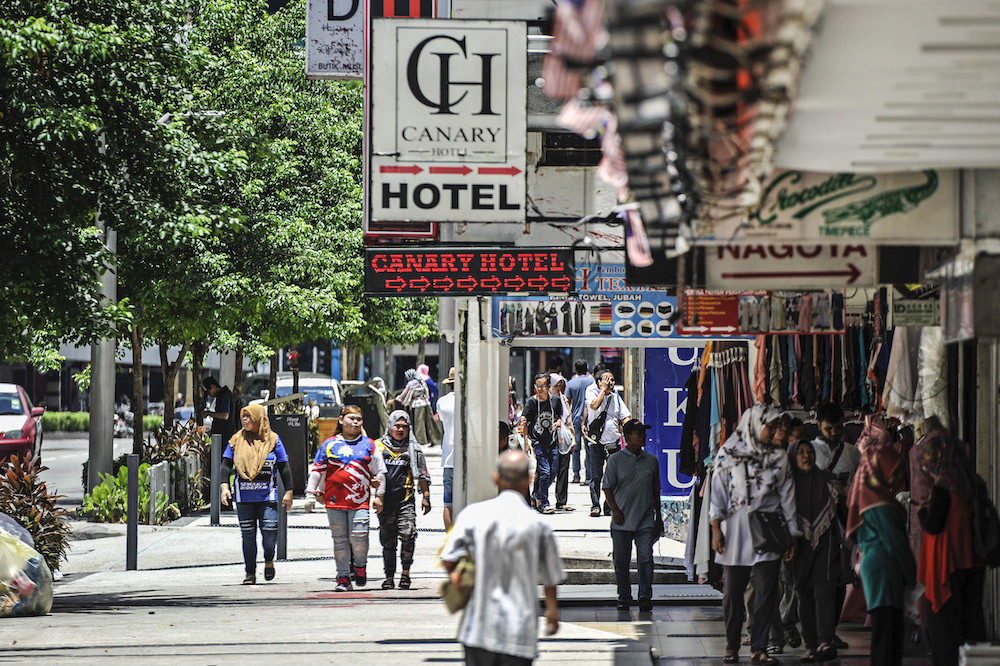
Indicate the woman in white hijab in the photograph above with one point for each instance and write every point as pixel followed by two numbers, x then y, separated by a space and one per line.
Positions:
pixel 751 474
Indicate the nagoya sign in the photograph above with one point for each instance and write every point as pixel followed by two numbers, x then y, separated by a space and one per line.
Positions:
pixel 464 271
pixel 448 121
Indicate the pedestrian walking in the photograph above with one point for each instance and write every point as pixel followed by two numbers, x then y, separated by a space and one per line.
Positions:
pixel 424 372
pixel 876 522
pixel 564 442
pixel 605 411
pixel 415 398
pixel 406 471
pixel 446 413
pixel 513 551
pixel 225 419
pixel 259 457
pixel 576 391
pixel 344 467
pixel 542 415
pixel 632 488
pixel 751 474
pixel 817 564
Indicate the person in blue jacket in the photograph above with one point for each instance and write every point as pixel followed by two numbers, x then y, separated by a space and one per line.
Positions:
pixel 259 457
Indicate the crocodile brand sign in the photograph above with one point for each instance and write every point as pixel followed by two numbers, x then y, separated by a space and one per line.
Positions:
pixel 917 207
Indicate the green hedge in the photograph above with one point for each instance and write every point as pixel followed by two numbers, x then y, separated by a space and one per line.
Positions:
pixel 80 422
pixel 66 421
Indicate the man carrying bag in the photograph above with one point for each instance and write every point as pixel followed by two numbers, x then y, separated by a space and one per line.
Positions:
pixel 605 412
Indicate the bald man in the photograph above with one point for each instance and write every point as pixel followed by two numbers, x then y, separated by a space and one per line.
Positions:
pixel 504 535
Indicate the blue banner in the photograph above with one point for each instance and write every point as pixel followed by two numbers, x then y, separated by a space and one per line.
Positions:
pixel 667 371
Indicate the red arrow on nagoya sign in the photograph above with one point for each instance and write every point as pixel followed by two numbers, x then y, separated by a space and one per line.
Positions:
pixel 852 273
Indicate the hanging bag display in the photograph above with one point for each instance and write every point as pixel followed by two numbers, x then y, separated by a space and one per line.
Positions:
pixel 768 529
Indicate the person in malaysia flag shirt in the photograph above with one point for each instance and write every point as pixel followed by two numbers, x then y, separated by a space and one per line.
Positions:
pixel 351 468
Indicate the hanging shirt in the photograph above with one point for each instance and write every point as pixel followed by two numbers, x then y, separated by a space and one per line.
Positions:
pixel 263 487
pixel 349 467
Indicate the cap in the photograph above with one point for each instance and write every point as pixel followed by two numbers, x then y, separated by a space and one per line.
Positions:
pixel 634 425
pixel 451 376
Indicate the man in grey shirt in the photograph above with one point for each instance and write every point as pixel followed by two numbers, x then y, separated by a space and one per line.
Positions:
pixel 576 391
pixel 632 489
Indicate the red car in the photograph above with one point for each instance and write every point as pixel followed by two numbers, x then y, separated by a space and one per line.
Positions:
pixel 20 424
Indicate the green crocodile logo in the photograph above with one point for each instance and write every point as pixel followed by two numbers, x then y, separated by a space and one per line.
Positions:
pixel 871 210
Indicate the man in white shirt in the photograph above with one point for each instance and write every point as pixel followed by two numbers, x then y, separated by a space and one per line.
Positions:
pixel 446 413
pixel 513 551
pixel 603 406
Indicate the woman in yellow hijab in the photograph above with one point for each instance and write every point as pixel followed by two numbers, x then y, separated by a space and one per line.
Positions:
pixel 258 456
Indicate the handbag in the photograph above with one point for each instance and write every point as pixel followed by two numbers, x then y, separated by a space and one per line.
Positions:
pixel 768 529
pixel 456 597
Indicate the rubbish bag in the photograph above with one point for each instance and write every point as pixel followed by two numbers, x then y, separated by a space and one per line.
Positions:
pixel 25 579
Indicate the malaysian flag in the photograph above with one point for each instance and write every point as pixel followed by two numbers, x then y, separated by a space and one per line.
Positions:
pixel 636 242
pixel 578 31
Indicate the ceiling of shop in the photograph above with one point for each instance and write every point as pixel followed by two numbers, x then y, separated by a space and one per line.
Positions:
pixel 896 85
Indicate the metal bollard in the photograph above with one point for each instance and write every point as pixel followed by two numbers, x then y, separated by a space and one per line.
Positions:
pixel 213 474
pixel 132 513
pixel 282 553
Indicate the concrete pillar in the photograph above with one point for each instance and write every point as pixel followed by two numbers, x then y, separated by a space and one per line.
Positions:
pixel 227 368
pixel 477 370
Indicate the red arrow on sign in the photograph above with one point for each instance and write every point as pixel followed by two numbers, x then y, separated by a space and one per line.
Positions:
pixel 444 284
pixel 492 283
pixel 852 273
pixel 499 171
pixel 510 283
pixel 538 283
pixel 561 283
pixel 420 283
pixel 461 171
pixel 467 282
pixel 413 168
pixel 397 283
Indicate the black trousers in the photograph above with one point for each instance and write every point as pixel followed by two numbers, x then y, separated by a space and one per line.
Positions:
pixel 960 619
pixel 562 479
pixel 479 657
pixel 887 636
pixel 816 611
pixel 397 522
pixel 765 597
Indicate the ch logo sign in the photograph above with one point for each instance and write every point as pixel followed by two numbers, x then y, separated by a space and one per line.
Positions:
pixel 444 99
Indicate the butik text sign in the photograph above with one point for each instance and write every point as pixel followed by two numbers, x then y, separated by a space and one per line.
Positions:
pixel 789 266
pixel 335 39
pixel 448 120
pixel 465 271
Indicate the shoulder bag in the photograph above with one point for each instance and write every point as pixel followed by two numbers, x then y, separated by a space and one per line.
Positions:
pixel 456 597
pixel 767 528
pixel 596 427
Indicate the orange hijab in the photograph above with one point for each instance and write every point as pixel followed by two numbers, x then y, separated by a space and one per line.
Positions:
pixel 250 449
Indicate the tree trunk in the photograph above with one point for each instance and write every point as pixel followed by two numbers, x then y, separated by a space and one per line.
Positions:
pixel 238 381
pixel 198 351
pixel 293 363
pixel 138 404
pixel 170 371
pixel 273 383
pixel 421 351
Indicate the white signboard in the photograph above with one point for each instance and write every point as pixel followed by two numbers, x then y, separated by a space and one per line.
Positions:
pixel 448 120
pixel 789 266
pixel 910 208
pixel 335 39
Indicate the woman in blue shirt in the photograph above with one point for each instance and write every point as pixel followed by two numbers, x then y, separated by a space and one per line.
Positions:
pixel 258 456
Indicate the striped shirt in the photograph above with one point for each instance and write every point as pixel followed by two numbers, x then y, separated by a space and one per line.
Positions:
pixel 514 551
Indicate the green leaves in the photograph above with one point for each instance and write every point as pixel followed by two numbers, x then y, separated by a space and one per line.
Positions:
pixel 27 500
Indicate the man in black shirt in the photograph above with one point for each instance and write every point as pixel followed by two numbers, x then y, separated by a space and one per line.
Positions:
pixel 541 419
pixel 224 417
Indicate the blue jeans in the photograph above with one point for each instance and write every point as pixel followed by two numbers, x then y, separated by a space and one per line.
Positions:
pixel 448 482
pixel 252 514
pixel 579 452
pixel 622 556
pixel 547 458
pixel 349 528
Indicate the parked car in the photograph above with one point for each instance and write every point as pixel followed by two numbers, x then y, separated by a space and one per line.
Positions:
pixel 20 424
pixel 322 390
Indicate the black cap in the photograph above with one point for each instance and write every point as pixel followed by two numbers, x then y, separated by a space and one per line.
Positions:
pixel 209 382
pixel 634 425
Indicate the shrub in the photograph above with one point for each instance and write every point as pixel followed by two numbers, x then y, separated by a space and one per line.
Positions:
pixel 66 421
pixel 152 422
pixel 108 504
pixel 27 500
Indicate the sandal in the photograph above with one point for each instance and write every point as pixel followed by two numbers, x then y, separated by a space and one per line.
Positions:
pixel 762 658
pixel 564 507
pixel 826 653
pixel 548 510
pixel 268 570
pixel 808 657
pixel 387 584
pixel 731 657
pixel 250 580
pixel 404 582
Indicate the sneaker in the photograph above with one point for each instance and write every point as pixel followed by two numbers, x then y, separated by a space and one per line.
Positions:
pixel 645 605
pixel 622 605
pixel 343 584
pixel 360 576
